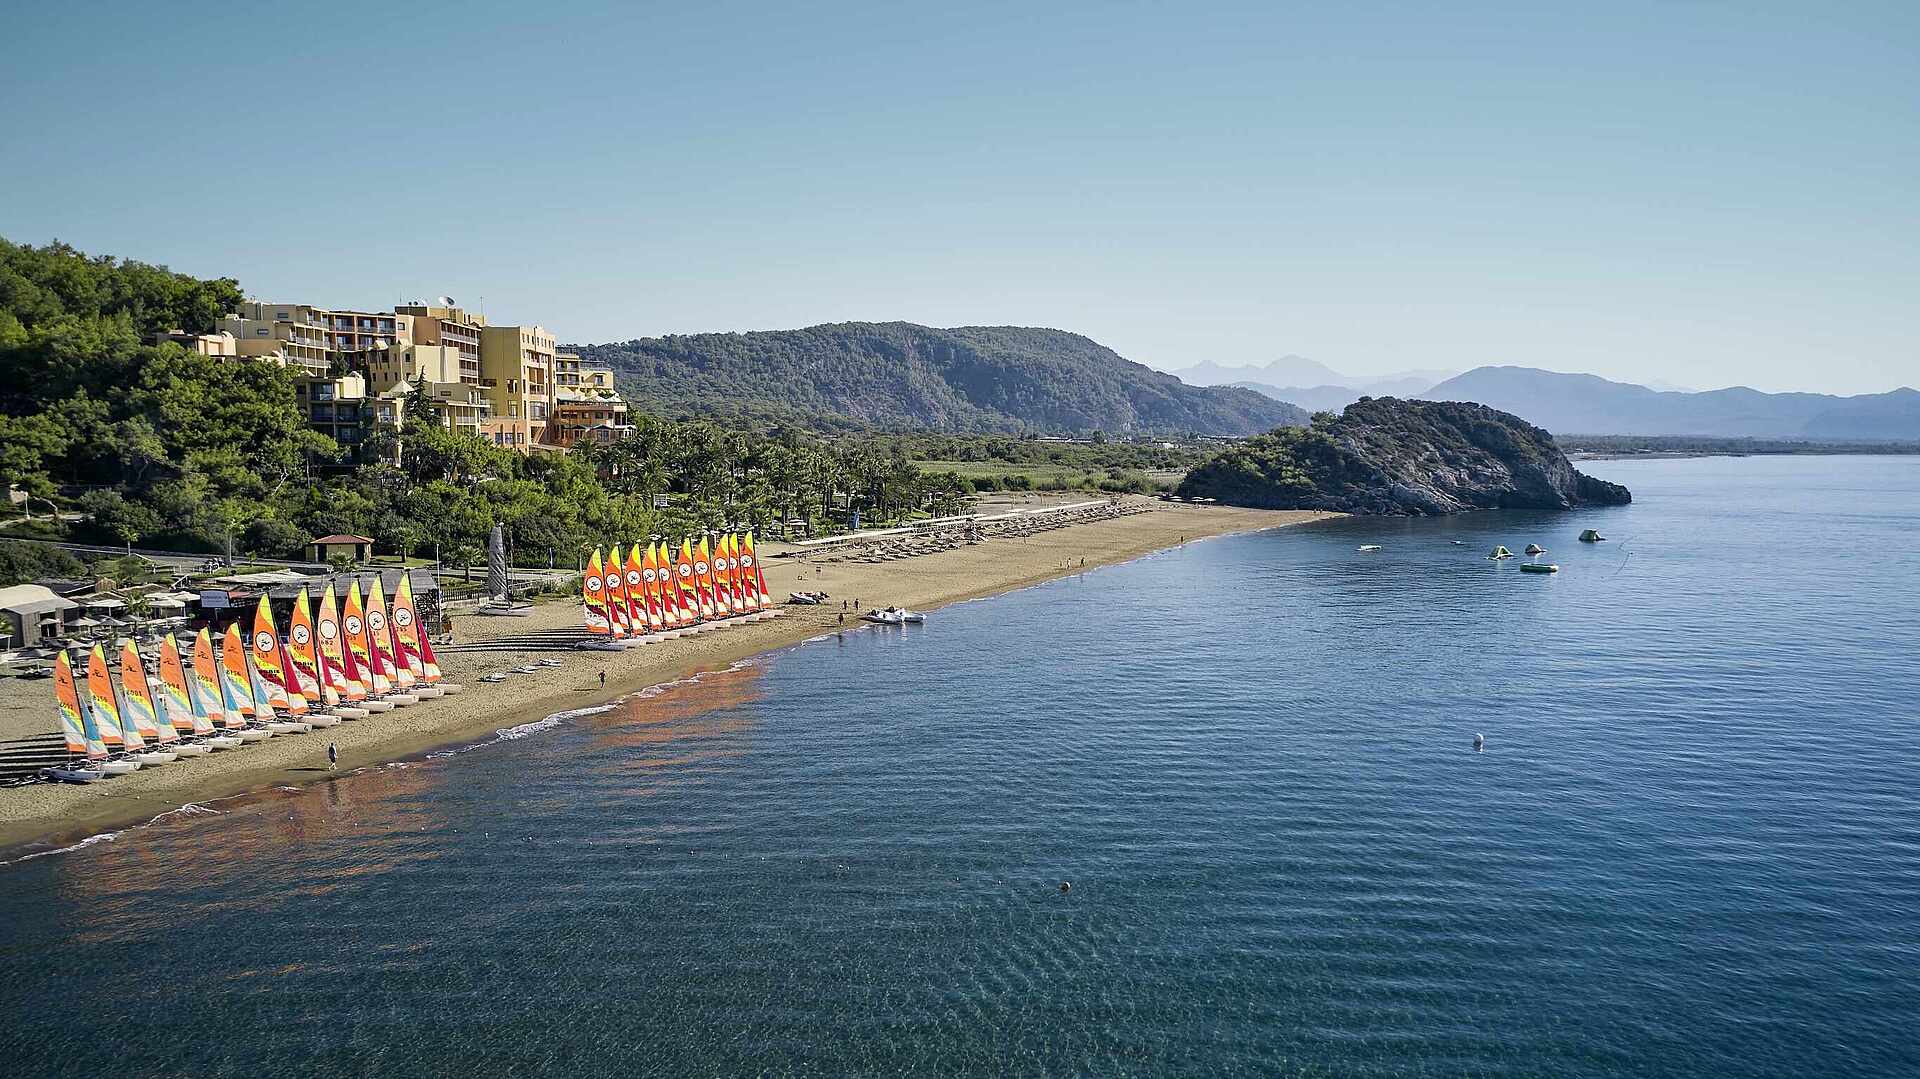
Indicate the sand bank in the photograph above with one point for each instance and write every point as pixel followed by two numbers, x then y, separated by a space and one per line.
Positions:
pixel 48 813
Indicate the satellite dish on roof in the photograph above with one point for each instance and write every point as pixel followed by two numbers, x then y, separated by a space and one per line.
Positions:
pixel 446 301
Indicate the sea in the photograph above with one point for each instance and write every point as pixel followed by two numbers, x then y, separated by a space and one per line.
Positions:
pixel 1689 845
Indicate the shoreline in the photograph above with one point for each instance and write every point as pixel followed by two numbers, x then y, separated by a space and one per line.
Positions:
pixel 44 817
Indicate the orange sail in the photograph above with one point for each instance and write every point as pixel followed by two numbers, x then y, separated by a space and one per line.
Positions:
pixel 80 734
pixel 353 631
pixel 737 595
pixel 750 561
pixel 743 574
pixel 106 709
pixel 723 599
pixel 266 655
pixel 380 643
pixel 667 591
pixel 689 588
pixel 176 693
pixel 327 651
pixel 593 593
pixel 296 700
pixel 406 629
pixel 302 655
pixel 207 699
pixel 134 687
pixel 650 589
pixel 703 581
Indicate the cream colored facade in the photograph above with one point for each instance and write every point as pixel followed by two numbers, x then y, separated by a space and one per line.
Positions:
pixel 399 364
pixel 516 367
pixel 334 406
pixel 448 325
pixel 296 331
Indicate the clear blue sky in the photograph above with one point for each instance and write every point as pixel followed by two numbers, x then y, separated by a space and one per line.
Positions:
pixel 1702 193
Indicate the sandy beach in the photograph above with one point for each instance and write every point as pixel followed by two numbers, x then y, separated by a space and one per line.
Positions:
pixel 49 813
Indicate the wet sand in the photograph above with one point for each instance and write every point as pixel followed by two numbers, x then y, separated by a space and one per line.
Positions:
pixel 53 814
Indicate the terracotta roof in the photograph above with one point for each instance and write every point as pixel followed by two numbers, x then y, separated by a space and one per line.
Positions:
pixel 342 539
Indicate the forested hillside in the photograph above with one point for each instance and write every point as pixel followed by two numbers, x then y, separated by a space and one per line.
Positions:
pixel 900 375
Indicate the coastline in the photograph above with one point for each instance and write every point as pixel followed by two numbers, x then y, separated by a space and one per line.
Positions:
pixel 48 816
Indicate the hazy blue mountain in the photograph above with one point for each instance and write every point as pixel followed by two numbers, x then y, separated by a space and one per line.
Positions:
pixel 1591 405
pixel 1310 384
pixel 900 375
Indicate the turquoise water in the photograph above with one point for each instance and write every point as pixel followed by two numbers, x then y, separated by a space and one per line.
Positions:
pixel 1690 847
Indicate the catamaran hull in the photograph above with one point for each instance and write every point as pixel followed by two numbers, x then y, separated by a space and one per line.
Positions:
pixel 148 760
pixel 425 692
pixel 119 768
pixel 197 749
pixel 452 688
pixel 350 712
pixel 377 706
pixel 225 742
pixel 288 728
pixel 254 734
pixel 402 699
pixel 324 720
pixel 73 775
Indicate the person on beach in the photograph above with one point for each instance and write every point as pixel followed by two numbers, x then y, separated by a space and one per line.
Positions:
pixel 603 679
pixel 333 756
pixel 843 618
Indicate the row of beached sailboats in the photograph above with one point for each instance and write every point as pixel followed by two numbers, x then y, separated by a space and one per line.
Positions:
pixel 654 593
pixel 340 665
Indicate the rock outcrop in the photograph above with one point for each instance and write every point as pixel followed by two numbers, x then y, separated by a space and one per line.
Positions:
pixel 1394 457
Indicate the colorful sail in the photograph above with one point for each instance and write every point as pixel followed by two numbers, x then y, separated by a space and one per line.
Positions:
pixel 743 575
pixel 663 588
pixel 650 590
pixel 593 594
pixel 265 644
pixel 736 596
pixel 353 630
pixel 722 585
pixel 687 593
pixel 636 591
pixel 139 713
pixel 406 629
pixel 236 687
pixel 703 581
pixel 207 698
pixel 380 643
pixel 73 721
pixel 303 656
pixel 105 708
pixel 750 561
pixel 176 693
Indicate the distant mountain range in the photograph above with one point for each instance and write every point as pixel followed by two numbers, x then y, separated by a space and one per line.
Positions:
pixel 901 375
pixel 1591 405
pixel 1311 384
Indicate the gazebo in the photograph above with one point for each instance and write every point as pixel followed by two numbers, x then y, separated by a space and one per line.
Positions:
pixel 357 548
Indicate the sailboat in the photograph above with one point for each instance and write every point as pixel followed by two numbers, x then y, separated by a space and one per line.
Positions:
pixel 593 596
pixel 668 590
pixel 236 689
pixel 210 720
pixel 688 589
pixel 369 683
pixel 104 707
pixel 328 659
pixel 268 676
pixel 380 648
pixel 139 718
pixel 176 707
pixel 297 665
pixel 638 615
pixel 83 741
pixel 407 638
pixel 619 610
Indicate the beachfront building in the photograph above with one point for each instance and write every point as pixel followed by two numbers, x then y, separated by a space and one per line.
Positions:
pixel 206 344
pixel 334 405
pixel 585 405
pixel 516 367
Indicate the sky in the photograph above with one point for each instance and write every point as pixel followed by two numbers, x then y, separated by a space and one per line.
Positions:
pixel 1701 194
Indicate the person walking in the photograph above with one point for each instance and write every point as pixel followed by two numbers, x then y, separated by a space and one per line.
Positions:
pixel 603 679
pixel 333 756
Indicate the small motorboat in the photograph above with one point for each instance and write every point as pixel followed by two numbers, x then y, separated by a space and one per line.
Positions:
pixel 1539 567
pixel 1501 552
pixel 1591 535
pixel 72 775
pixel 913 618
pixel 1369 548
pixel 806 599
pixel 1534 548
pixel 892 616
pixel 1458 543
